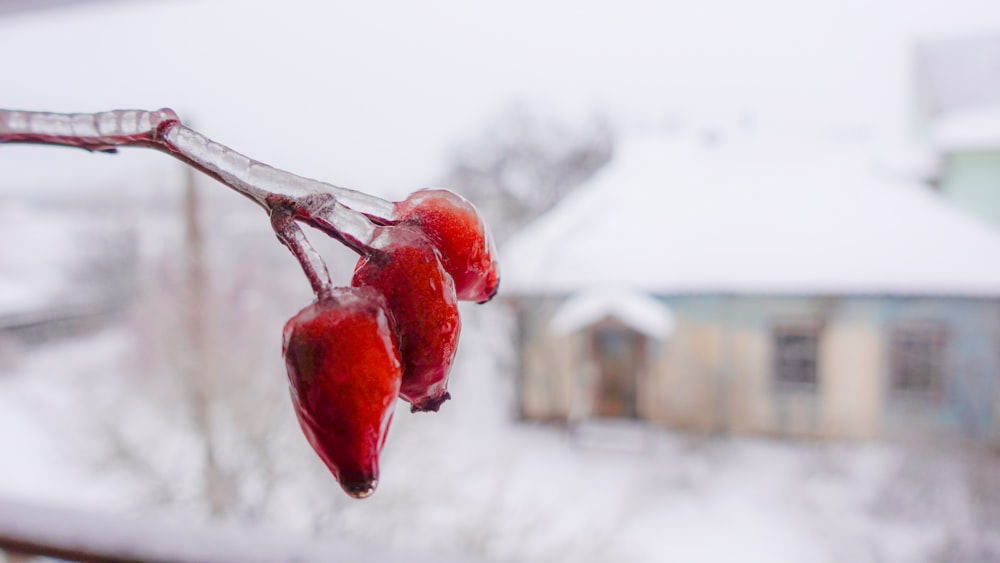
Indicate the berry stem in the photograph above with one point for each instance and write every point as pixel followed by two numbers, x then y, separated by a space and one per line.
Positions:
pixel 353 229
pixel 347 215
pixel 291 235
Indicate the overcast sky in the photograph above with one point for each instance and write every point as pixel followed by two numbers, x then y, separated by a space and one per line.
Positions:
pixel 376 94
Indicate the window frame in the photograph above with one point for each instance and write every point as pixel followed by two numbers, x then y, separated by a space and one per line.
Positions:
pixel 811 329
pixel 938 338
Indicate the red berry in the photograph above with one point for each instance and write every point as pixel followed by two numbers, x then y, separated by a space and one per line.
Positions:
pixel 460 235
pixel 344 374
pixel 404 266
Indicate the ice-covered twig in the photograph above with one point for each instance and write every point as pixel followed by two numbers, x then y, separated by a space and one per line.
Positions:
pixel 291 235
pixel 163 130
pixel 103 131
pixel 340 212
pixel 327 214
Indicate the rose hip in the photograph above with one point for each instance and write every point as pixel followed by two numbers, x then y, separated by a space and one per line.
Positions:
pixel 349 354
pixel 454 226
pixel 344 374
pixel 404 266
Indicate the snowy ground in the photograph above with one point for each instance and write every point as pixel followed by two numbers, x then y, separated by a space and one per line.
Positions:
pixel 472 482
pixel 103 420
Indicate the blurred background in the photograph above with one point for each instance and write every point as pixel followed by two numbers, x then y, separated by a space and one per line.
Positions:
pixel 750 298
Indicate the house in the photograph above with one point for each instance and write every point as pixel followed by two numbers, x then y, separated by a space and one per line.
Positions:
pixel 756 286
pixel 957 83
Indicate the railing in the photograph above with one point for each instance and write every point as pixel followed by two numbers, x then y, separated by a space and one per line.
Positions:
pixel 52 318
pixel 29 530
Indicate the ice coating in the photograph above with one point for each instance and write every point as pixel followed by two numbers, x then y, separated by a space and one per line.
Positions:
pixel 404 267
pixel 103 131
pixel 291 235
pixel 364 203
pixel 346 225
pixel 255 179
pixel 455 227
pixel 162 130
pixel 287 197
pixel 343 374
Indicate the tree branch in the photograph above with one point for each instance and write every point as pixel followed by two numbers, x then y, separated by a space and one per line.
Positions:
pixel 345 214
pixel 289 233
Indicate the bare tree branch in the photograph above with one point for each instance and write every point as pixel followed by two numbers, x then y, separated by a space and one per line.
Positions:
pixel 342 213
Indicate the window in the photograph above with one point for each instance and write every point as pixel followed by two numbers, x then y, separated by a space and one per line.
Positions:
pixel 796 355
pixel 918 358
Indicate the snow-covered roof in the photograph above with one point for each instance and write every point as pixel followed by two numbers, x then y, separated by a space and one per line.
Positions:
pixel 635 309
pixel 973 129
pixel 752 215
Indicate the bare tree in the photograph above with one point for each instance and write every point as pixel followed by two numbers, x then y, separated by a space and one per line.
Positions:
pixel 523 163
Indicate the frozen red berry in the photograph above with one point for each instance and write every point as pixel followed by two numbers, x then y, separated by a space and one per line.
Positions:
pixel 455 227
pixel 344 374
pixel 404 266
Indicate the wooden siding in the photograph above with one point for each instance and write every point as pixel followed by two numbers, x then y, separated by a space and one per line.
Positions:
pixel 716 373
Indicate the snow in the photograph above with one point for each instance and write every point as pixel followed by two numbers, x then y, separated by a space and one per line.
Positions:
pixel 752 213
pixel 958 86
pixel 636 310
pixel 958 72
pixel 906 160
pixel 95 535
pixel 374 95
pixel 340 89
pixel 43 252
pixel 40 460
pixel 971 129
pixel 470 483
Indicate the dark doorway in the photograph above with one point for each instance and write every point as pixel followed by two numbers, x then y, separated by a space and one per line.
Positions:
pixel 619 353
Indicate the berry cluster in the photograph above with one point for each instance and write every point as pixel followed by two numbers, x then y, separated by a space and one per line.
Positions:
pixel 393 332
pixel 352 351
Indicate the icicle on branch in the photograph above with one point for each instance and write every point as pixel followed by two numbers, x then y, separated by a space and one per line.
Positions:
pixel 345 214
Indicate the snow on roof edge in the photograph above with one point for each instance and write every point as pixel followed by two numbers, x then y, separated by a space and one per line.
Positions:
pixel 635 309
